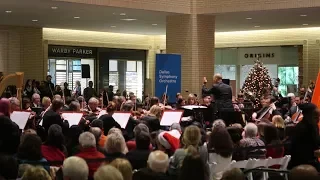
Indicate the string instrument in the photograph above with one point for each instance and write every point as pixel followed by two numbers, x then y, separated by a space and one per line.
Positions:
pixel 298 116
pixel 266 111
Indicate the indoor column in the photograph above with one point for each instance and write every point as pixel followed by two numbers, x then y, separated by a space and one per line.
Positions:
pixel 192 36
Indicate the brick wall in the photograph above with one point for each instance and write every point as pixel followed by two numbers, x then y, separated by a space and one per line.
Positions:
pixel 21 50
pixel 192 36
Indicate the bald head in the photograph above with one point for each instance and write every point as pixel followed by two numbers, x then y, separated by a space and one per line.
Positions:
pixel 217 78
pixel 158 161
pixel 306 172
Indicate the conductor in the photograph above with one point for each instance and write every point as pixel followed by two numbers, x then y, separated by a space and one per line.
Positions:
pixel 223 97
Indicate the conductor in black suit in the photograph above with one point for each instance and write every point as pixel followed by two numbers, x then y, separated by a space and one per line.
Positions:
pixel 223 98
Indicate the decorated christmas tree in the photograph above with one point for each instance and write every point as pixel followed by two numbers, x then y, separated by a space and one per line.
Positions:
pixel 258 83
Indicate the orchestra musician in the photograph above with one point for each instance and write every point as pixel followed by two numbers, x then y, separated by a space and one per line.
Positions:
pixel 223 97
pixel 267 104
pixel 294 106
pixel 108 120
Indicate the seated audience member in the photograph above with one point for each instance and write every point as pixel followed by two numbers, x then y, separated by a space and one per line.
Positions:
pixel 9 130
pixel 278 122
pixel 157 167
pixel 236 136
pixel 53 148
pixel 191 137
pixel 289 132
pixel 124 167
pixel 233 174
pixel 221 142
pixel 137 130
pixel 218 123
pixel 29 151
pixel 88 150
pixel 108 120
pixel 9 167
pixel 52 116
pixel 75 168
pixel 103 138
pixel 115 147
pixel 272 138
pixel 192 166
pixel 36 173
pixel 305 139
pixel 261 127
pixel 169 141
pixel 152 120
pixel 251 140
pixel 72 140
pixel 22 169
pixel 108 172
pixel 97 134
pixel 303 172
pixel 139 156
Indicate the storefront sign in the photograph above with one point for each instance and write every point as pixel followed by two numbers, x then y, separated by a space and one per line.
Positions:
pixel 168 75
pixel 268 55
pixel 70 51
pixel 259 55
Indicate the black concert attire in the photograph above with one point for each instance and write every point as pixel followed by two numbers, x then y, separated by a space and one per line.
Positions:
pixel 223 100
pixel 88 93
pixel 108 123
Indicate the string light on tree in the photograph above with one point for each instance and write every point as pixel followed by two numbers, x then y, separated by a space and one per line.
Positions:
pixel 258 82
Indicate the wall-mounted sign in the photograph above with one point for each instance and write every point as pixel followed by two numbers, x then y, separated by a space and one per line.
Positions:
pixel 259 55
pixel 71 51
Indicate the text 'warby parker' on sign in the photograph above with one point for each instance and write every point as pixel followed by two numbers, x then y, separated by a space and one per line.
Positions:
pixel 69 51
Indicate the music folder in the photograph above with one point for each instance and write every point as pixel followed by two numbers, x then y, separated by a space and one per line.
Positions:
pixel 122 118
pixel 72 118
pixel 170 117
pixel 20 118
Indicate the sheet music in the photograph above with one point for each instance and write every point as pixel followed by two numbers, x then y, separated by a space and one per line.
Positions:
pixel 40 123
pixel 20 118
pixel 122 119
pixel 72 118
pixel 102 112
pixel 191 107
pixel 170 117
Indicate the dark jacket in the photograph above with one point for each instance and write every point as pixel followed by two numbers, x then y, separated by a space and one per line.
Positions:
pixel 50 118
pixel 112 156
pixel 305 141
pixel 9 136
pixel 138 158
pixel 108 123
pixel 222 94
pixel 152 122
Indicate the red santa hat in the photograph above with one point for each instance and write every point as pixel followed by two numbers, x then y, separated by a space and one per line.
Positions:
pixel 170 139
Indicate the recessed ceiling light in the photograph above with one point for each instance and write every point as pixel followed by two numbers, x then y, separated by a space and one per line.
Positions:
pixel 122 14
pixel 54 7
pixel 114 13
pixel 8 11
pixel 305 24
pixel 34 20
pixel 113 26
pixel 128 19
pixel 303 15
pixel 154 24
pixel 256 26
pixel 76 17
pixel 248 18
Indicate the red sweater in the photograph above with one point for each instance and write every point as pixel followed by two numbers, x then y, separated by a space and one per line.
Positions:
pixel 91 153
pixel 51 153
pixel 131 145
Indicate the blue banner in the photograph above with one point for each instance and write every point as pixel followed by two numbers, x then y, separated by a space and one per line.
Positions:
pixel 168 75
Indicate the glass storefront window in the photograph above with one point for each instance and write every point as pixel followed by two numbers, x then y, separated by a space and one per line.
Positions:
pixel 288 79
pixel 227 71
pixel 126 75
pixel 69 70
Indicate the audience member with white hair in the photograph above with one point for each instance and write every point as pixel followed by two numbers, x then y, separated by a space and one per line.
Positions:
pixel 88 150
pixel 218 123
pixel 115 147
pixel 75 168
pixel 251 139
pixel 108 172
pixel 158 163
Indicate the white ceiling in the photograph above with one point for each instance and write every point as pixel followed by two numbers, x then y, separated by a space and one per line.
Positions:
pixel 101 18
pixel 92 18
